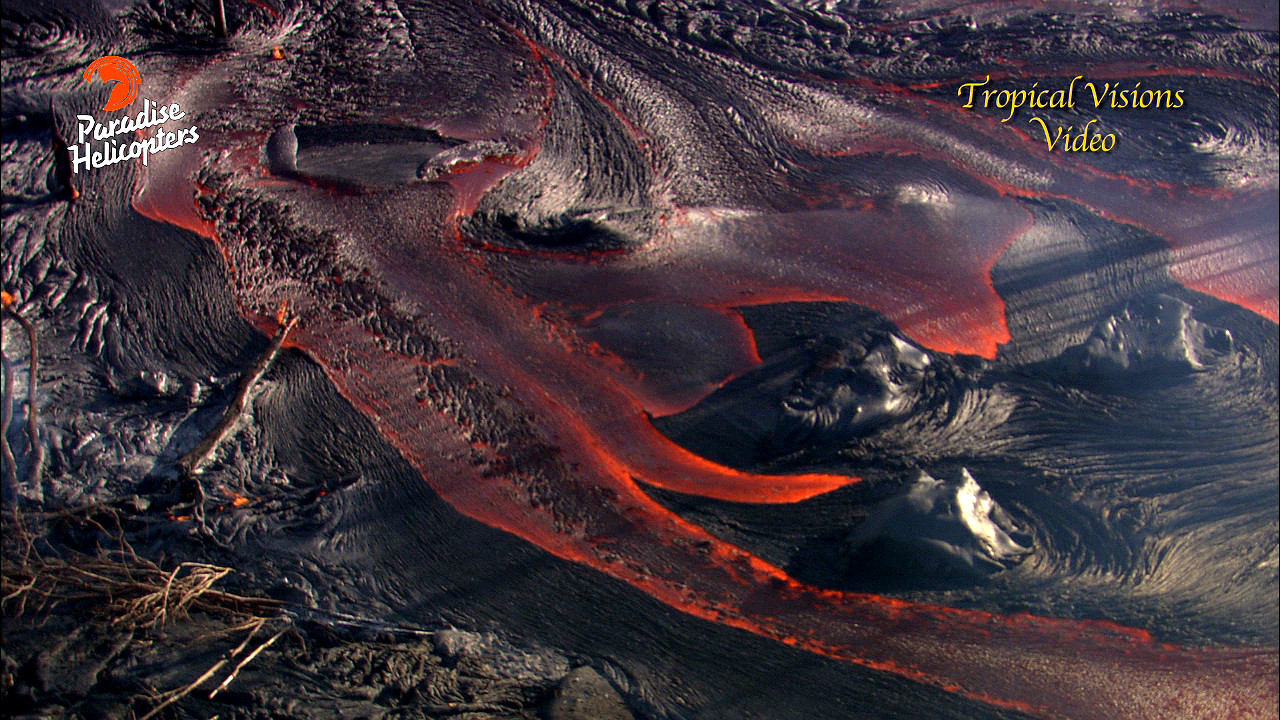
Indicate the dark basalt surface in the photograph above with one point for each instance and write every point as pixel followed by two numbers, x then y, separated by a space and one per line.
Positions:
pixel 1149 339
pixel 938 529
pixel 766 162
pixel 823 392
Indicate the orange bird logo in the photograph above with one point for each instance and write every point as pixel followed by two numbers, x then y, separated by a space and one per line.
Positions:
pixel 114 68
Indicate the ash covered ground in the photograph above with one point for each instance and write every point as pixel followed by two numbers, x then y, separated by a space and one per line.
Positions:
pixel 588 317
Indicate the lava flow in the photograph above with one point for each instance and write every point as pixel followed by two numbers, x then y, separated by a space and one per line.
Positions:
pixel 463 360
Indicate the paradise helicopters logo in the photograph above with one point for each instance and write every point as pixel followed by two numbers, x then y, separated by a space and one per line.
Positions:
pixel 125 75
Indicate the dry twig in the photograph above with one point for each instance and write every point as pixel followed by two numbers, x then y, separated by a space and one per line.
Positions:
pixel 191 462
pixel 174 696
pixel 248 659
pixel 36 448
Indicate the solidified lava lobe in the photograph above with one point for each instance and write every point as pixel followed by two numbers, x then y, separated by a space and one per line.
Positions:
pixel 669 355
pixel 940 293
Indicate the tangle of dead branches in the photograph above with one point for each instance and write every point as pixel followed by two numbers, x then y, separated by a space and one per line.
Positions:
pixel 133 591
pixel 129 592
